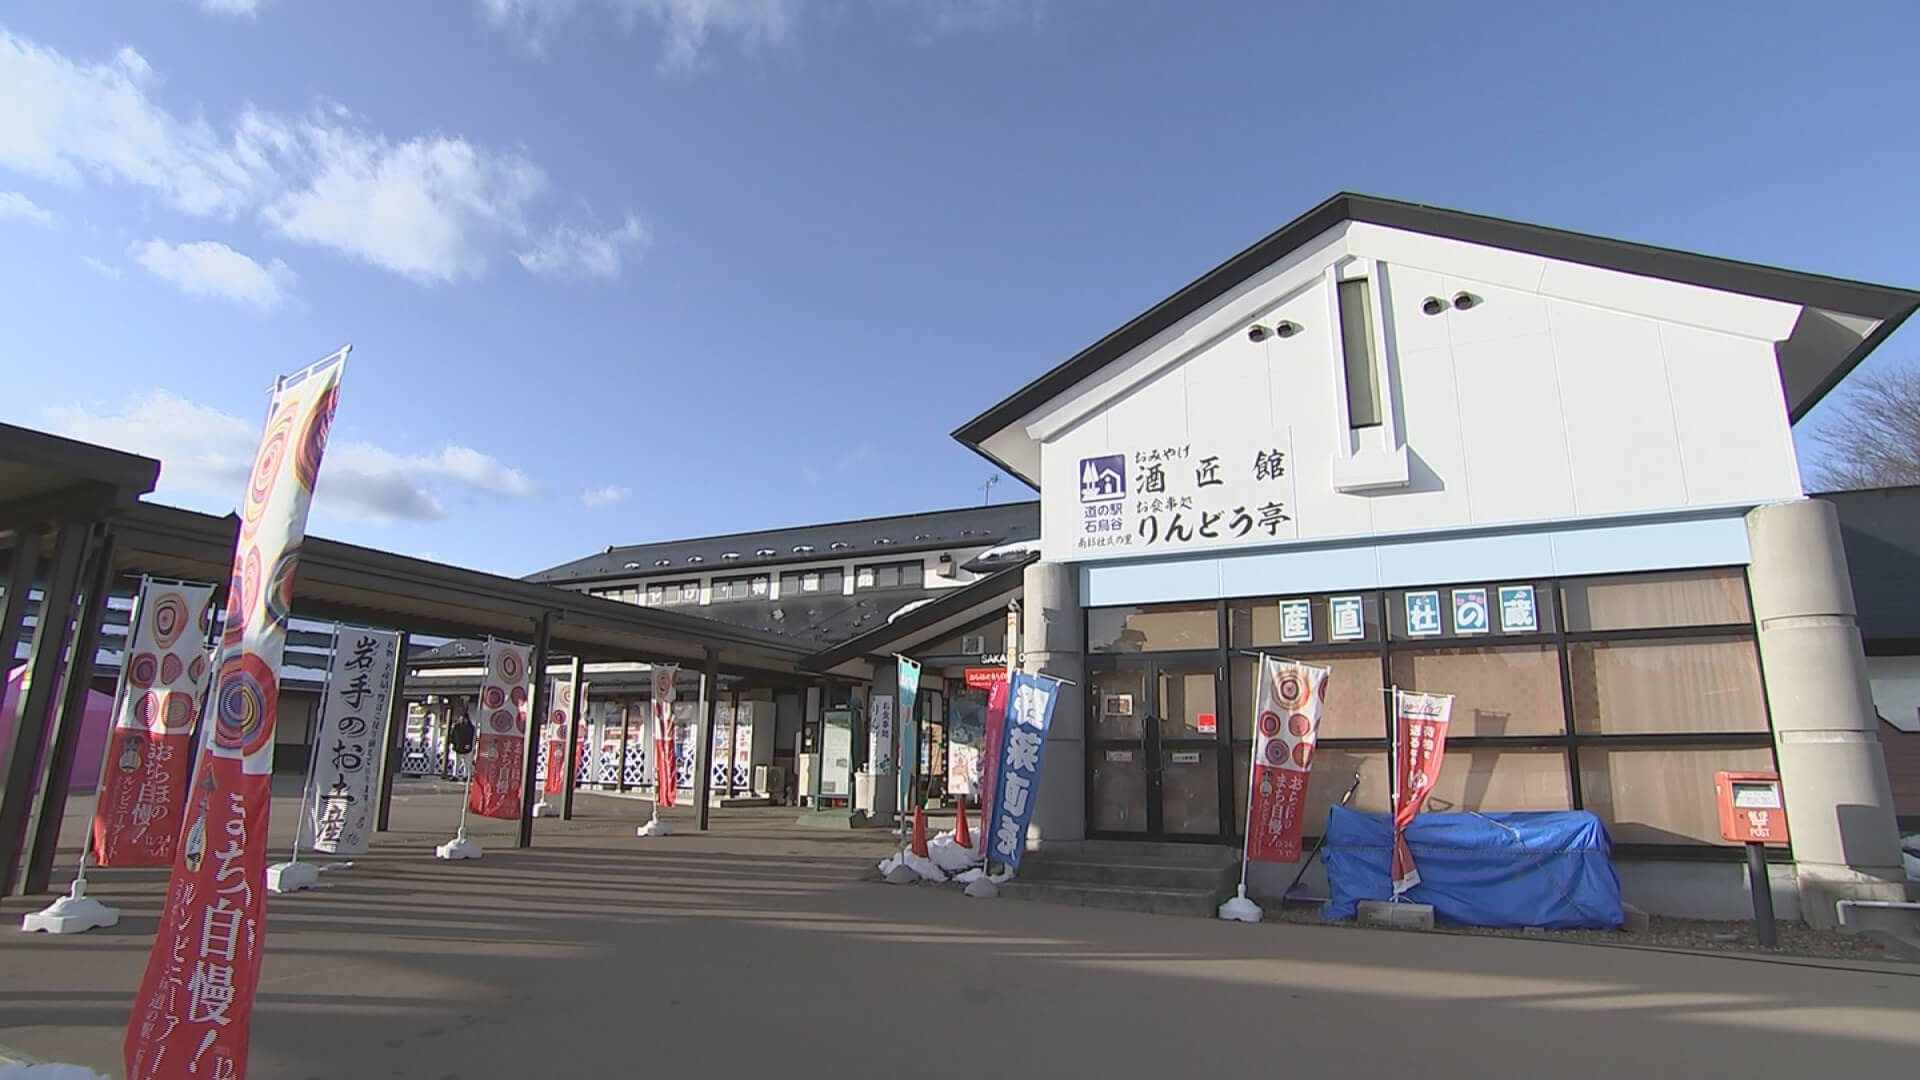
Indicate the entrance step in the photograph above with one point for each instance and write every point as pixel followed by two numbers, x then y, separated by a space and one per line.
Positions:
pixel 1198 902
pixel 1168 879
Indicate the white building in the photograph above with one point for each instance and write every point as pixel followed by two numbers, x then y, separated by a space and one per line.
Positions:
pixel 1552 474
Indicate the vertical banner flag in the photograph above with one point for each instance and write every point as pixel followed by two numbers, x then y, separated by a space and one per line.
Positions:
pixel 1419 745
pixel 1287 708
pixel 163 680
pixel 666 759
pixel 350 742
pixel 556 732
pixel 193 1012
pixel 909 681
pixel 1029 712
pixel 996 737
pixel 501 735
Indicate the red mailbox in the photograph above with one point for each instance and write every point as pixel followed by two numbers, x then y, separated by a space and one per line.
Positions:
pixel 1752 809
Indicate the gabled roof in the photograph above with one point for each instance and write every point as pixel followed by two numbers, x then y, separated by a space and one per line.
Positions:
pixel 925 621
pixel 867 539
pixel 1806 373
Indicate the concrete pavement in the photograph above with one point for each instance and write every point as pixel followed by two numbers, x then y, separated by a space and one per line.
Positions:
pixel 757 950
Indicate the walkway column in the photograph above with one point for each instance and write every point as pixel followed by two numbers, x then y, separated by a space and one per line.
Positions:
pixel 576 704
pixel 537 712
pixel 703 758
pixel 1053 642
pixel 1839 806
pixel 88 612
pixel 24 562
pixel 36 700
pixel 396 733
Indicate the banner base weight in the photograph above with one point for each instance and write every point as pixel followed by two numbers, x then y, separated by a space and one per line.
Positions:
pixel 1241 909
pixel 73 913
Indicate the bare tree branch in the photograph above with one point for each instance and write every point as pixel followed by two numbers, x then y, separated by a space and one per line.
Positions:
pixel 1876 440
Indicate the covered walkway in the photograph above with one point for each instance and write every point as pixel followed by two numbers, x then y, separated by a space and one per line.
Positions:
pixel 72 525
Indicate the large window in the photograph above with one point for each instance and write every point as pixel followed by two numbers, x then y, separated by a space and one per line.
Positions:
pixel 744 587
pixel 812 582
pixel 1162 628
pixel 1357 354
pixel 1621 695
pixel 895 575
pixel 673 593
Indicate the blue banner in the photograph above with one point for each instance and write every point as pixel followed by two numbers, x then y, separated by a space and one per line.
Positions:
pixel 909 730
pixel 1023 749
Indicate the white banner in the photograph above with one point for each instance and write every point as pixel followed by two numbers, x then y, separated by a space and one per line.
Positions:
pixel 349 740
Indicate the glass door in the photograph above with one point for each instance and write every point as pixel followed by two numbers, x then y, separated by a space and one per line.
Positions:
pixel 1156 752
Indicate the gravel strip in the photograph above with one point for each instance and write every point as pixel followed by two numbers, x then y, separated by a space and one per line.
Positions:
pixel 1701 935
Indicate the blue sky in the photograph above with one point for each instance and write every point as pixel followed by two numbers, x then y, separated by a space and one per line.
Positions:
pixel 624 270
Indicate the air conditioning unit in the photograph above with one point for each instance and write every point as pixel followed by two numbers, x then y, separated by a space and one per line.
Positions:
pixel 973 644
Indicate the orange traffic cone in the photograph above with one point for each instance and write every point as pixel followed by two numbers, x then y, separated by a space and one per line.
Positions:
pixel 960 834
pixel 920 831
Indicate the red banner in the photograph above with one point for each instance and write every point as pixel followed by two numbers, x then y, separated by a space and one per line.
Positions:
pixel 500 747
pixel 558 719
pixel 996 732
pixel 1419 745
pixel 1287 704
pixel 149 759
pixel 666 759
pixel 192 1015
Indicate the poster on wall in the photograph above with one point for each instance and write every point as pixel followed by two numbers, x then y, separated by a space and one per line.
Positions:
pixel 350 742
pixel 1171 497
pixel 143 780
pixel 1287 707
pixel 880 735
pixel 500 745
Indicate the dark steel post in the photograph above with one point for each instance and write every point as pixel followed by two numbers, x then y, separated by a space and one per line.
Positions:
pixel 537 709
pixel 573 738
pixel 710 691
pixel 1762 886
pixel 92 608
pixel 396 735
pixel 35 709
pixel 25 560
pixel 626 720
pixel 733 741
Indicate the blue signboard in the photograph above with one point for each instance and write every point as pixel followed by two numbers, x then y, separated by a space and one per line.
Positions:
pixel 1423 614
pixel 1470 611
pixel 1518 612
pixel 1023 748
pixel 909 730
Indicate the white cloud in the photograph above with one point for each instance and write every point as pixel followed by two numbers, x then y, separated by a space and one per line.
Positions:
pixel 425 207
pixel 212 269
pixel 206 452
pixel 99 267
pixel 243 8
pixel 68 122
pixel 17 207
pixel 569 252
pixel 605 496
pixel 686 25
pixel 433 207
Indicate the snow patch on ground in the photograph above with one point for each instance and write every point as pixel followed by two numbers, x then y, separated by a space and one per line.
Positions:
pixel 945 856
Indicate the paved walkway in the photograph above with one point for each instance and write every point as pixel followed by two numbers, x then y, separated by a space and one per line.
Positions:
pixel 757 950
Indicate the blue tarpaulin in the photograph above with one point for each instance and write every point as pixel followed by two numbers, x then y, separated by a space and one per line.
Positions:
pixel 1549 870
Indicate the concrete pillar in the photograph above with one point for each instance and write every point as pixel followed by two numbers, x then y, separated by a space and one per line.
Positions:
pixel 1839 805
pixel 1053 642
pixel 878 787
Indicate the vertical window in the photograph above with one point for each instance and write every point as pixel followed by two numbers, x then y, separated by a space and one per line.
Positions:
pixel 1356 347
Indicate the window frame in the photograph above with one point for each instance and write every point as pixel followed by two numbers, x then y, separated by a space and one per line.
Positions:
pixel 898 566
pixel 1550 602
